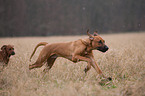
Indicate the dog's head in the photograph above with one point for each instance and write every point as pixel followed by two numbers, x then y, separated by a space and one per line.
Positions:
pixel 97 42
pixel 9 49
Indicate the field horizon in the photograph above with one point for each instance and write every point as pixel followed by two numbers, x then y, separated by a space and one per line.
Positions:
pixel 124 62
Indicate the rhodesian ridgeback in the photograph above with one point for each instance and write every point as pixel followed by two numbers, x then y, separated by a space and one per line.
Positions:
pixel 5 53
pixel 79 50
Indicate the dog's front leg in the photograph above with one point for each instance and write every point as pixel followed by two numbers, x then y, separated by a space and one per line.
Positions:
pixel 78 58
pixel 96 67
pixel 91 62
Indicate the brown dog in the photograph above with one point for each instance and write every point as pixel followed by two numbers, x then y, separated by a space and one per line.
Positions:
pixel 5 53
pixel 80 50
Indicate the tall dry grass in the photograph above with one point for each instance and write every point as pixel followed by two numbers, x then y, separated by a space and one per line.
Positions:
pixel 124 62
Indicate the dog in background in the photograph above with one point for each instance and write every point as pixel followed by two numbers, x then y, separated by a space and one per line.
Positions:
pixel 5 53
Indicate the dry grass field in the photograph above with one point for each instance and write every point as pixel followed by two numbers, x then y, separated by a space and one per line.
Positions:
pixel 124 62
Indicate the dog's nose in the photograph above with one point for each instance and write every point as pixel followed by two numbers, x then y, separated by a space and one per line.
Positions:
pixel 13 53
pixel 106 47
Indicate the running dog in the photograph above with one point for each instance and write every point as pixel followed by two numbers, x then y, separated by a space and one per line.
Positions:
pixel 79 50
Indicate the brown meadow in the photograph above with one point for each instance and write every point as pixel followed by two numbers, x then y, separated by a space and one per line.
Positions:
pixel 124 62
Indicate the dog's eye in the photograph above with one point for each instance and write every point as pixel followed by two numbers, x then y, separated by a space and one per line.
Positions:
pixel 100 42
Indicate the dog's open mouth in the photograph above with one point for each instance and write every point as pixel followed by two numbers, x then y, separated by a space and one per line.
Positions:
pixel 103 49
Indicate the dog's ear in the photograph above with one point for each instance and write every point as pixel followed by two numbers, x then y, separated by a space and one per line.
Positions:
pixel 95 33
pixel 12 46
pixel 3 47
pixel 90 36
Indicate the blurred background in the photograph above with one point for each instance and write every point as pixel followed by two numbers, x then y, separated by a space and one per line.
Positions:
pixel 70 17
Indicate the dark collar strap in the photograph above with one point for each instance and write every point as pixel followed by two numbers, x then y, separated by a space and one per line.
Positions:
pixel 87 44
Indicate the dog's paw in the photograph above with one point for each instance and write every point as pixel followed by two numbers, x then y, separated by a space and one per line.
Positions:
pixel 109 78
pixel 85 70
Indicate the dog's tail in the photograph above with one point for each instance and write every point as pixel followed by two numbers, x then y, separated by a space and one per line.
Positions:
pixel 40 44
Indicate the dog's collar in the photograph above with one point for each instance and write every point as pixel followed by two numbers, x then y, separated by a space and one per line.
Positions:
pixel 86 43
pixel 88 46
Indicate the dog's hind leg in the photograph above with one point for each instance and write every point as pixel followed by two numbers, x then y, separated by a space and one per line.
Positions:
pixel 39 63
pixel 36 65
pixel 50 62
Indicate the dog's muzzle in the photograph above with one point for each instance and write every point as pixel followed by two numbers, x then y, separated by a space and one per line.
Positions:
pixel 103 49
